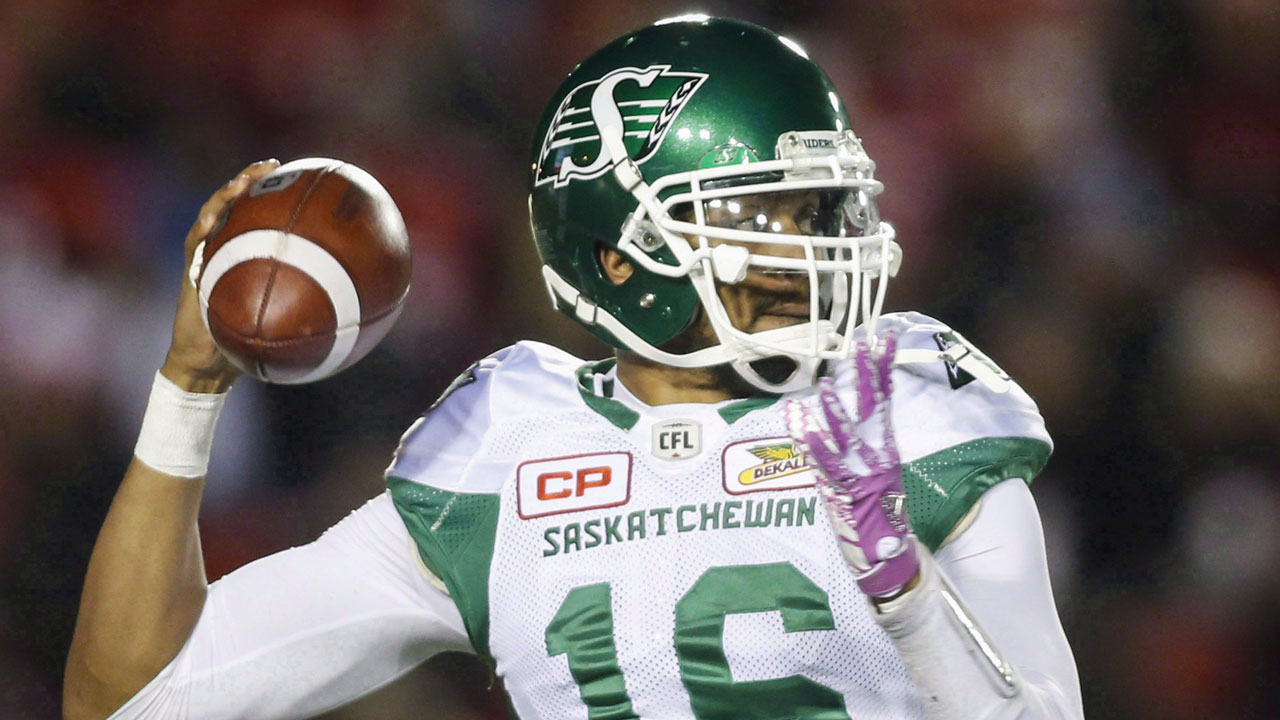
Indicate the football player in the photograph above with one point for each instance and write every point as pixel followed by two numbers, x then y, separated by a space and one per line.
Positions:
pixel 649 535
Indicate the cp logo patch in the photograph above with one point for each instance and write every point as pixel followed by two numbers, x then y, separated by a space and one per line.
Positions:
pixel 572 484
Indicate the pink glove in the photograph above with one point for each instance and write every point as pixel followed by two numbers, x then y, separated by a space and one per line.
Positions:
pixel 867 506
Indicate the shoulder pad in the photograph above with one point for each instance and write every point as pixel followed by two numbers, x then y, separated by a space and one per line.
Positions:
pixel 963 361
pixel 442 444
pixel 957 437
pixel 937 405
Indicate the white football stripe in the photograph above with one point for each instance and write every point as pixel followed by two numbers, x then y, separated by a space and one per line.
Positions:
pixel 310 258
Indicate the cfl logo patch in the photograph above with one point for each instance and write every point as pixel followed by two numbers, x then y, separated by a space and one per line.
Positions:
pixel 677 439
pixel 573 484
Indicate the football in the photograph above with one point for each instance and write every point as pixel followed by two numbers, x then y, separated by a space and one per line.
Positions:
pixel 305 272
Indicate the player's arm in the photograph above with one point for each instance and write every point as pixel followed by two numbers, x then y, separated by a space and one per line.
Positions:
pixel 308 629
pixel 289 635
pixel 997 567
pixel 980 633
pixel 145 583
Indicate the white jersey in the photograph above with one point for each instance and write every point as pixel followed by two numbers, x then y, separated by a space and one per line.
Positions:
pixel 616 560
pixel 620 561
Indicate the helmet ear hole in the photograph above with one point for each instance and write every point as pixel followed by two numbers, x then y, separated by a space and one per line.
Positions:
pixel 613 265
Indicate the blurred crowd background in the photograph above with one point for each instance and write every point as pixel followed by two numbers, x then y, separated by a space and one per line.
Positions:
pixel 1086 189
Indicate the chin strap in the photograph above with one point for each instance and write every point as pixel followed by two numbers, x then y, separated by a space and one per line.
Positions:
pixel 739 355
pixel 960 356
pixel 587 312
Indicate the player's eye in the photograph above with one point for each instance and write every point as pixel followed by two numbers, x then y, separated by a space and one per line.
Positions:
pixel 808 221
pixel 757 222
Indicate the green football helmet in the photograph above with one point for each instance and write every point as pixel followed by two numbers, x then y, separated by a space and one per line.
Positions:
pixel 671 145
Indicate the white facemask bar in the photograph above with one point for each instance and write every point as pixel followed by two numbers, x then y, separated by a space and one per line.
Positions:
pixel 872 259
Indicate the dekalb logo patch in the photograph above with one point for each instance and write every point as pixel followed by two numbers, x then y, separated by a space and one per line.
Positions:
pixel 572 484
pixel 764 464
pixel 641 103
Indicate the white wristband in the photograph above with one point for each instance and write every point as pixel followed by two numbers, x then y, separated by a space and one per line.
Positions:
pixel 177 430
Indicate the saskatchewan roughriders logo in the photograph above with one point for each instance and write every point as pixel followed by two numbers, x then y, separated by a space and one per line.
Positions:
pixel 644 103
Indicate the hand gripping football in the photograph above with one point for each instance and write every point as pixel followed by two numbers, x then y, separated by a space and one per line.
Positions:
pixel 305 273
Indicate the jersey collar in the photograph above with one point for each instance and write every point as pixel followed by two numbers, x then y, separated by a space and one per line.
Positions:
pixel 598 379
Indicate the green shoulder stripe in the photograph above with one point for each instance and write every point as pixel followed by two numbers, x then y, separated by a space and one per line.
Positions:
pixel 455 534
pixel 942 487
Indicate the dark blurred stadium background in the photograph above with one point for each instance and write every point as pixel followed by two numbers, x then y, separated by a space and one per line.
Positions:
pixel 1088 190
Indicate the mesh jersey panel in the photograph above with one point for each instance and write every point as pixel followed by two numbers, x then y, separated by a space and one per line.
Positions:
pixel 942 487
pixel 454 536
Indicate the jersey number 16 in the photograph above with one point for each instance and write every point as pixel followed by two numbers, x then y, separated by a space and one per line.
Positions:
pixel 583 629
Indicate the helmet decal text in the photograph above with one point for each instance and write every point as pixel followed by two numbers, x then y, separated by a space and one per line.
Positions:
pixel 643 103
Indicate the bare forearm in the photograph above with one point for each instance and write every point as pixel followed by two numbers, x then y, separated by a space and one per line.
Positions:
pixel 142 595
pixel 146 585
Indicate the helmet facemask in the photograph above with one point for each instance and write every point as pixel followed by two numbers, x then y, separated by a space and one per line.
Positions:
pixel 717 224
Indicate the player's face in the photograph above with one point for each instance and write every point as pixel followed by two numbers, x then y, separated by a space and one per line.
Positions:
pixel 768 299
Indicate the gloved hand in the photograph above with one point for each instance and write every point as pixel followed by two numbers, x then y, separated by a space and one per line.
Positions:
pixel 860 473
